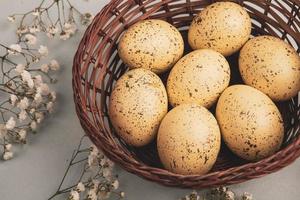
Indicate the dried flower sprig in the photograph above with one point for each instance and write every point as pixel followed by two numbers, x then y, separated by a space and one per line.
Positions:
pixel 53 17
pixel 26 98
pixel 96 180
pixel 220 193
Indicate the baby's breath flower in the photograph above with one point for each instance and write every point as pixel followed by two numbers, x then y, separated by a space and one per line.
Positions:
pixel 3 130
pixel 43 50
pixel 26 77
pixel 53 95
pixel 34 29
pixel 33 125
pixel 24 103
pixel 39 117
pixel 247 196
pixel 54 65
pixel 51 31
pixel 13 99
pixel 30 39
pixel 64 35
pixel 92 195
pixel 38 80
pixel 19 68
pixel 22 30
pixel 49 107
pixel 11 18
pixel 43 89
pixel 122 194
pixel 115 184
pixel 36 12
pixel 7 147
pixel 8 155
pixel 74 195
pixel 10 124
pixel 80 187
pixel 22 134
pixel 229 195
pixel 14 49
pixel 86 18
pixel 22 115
pixel 107 173
pixel 38 99
pixel 45 68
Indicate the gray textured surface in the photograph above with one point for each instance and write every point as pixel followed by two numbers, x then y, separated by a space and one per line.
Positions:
pixel 37 169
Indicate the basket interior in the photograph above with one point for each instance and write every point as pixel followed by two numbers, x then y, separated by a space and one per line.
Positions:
pixel 102 65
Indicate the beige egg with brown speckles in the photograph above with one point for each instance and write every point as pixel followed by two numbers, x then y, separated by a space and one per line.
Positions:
pixel 199 77
pixel 271 66
pixel 151 44
pixel 137 105
pixel 250 123
pixel 222 26
pixel 188 140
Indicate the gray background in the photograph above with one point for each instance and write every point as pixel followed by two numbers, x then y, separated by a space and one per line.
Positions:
pixel 38 166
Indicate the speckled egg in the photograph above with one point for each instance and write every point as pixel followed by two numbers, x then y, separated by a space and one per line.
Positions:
pixel 137 105
pixel 199 77
pixel 151 44
pixel 188 140
pixel 271 66
pixel 222 26
pixel 251 124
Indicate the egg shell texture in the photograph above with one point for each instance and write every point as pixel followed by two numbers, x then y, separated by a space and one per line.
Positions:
pixel 188 140
pixel 138 103
pixel 199 77
pixel 222 26
pixel 151 44
pixel 271 66
pixel 250 123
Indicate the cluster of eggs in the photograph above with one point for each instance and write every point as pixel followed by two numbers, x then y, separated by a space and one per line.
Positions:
pixel 189 135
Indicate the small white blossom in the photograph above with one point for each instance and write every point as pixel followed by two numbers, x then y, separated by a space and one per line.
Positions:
pixel 22 134
pixel 38 99
pixel 107 173
pixel 39 117
pixel 53 95
pixel 43 50
pixel 14 49
pixel 30 39
pixel 3 130
pixel 8 155
pixel 33 125
pixel 38 80
pixel 34 29
pixel 229 195
pixel 13 99
pixel 32 110
pixel 115 184
pixel 74 195
pixel 22 115
pixel 10 124
pixel 70 28
pixel 64 35
pixel 103 194
pixel 26 77
pixel 247 196
pixel 92 195
pixel 122 194
pixel 7 147
pixel 36 12
pixel 44 68
pixel 19 68
pixel 80 187
pixel 50 107
pixel 24 103
pixel 86 18
pixel 43 89
pixel 51 31
pixel 22 30
pixel 54 65
pixel 11 18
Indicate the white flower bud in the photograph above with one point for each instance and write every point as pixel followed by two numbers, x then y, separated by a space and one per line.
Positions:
pixel 10 124
pixel 8 155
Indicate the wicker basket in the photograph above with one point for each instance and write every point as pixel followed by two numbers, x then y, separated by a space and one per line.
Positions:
pixel 97 66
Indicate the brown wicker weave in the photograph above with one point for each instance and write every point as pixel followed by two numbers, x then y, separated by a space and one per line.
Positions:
pixel 97 67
